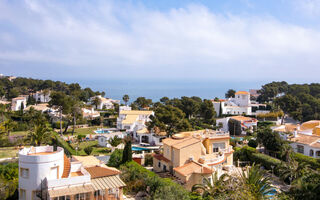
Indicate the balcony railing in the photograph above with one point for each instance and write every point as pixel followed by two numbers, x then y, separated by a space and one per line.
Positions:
pixel 215 157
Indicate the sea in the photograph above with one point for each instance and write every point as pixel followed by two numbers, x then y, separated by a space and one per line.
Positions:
pixel 156 89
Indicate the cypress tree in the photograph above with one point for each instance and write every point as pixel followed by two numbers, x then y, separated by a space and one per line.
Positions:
pixel 127 151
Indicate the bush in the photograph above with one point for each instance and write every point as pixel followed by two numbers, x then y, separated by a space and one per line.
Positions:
pixel 115 158
pixel 244 153
pixel 88 150
pixel 252 143
pixel 313 162
pixel 266 161
pixel 9 176
pixel 138 179
pixel 148 160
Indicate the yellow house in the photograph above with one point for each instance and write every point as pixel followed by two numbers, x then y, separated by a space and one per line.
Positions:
pixel 191 156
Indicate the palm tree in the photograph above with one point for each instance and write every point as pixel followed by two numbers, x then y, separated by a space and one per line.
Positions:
pixel 292 170
pixel 257 184
pixel 218 188
pixel 8 126
pixel 39 134
pixel 126 98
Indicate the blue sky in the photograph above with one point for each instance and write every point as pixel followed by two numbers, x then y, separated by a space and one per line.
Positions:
pixel 243 40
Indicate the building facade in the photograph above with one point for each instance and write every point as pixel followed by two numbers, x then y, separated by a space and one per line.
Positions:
pixel 191 156
pixel 18 103
pixel 45 173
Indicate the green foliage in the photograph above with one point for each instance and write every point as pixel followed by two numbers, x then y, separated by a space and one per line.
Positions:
pixel 127 151
pixel 244 153
pixel 271 140
pixel 266 161
pixel 142 102
pixel 253 143
pixel 230 93
pixel 125 98
pixel 138 179
pixel 115 141
pixel 39 135
pixel 9 178
pixel 115 158
pixel 234 127
pixel 148 160
pixel 314 163
pixel 88 150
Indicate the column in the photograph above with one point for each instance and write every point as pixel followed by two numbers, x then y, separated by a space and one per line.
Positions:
pixel 91 195
pixel 120 193
pixel 106 194
pixel 72 197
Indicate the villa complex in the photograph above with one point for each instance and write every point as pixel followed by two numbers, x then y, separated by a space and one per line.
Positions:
pixel 105 103
pixel 305 138
pixel 191 156
pixel 247 123
pixel 45 173
pixel 240 104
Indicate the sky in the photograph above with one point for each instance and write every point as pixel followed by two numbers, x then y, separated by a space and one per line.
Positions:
pixel 243 40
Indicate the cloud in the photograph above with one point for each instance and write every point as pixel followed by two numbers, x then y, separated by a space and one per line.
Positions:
pixel 309 8
pixel 95 38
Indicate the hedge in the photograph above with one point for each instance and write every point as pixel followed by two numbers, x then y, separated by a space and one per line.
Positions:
pixel 313 162
pixel 266 161
pixel 61 143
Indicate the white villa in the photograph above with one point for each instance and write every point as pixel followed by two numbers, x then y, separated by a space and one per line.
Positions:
pixel 305 138
pixel 17 102
pixel 106 103
pixel 246 123
pixel 48 173
pixel 103 139
pixel 90 113
pixel 240 104
pixel 42 96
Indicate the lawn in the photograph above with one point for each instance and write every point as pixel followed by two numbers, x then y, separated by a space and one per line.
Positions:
pixel 8 152
pixel 84 131
pixel 96 149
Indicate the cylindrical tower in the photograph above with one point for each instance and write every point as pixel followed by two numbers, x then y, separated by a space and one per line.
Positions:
pixel 36 164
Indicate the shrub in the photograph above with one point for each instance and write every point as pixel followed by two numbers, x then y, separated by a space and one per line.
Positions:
pixel 138 179
pixel 313 162
pixel 244 153
pixel 88 150
pixel 266 161
pixel 148 160
pixel 115 158
pixel 252 143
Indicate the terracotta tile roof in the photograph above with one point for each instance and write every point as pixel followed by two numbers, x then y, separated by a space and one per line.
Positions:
pixel 310 124
pixel 180 143
pixel 242 92
pixel 243 118
pixel 87 161
pixel 311 140
pixel 161 157
pixel 97 172
pixel 192 167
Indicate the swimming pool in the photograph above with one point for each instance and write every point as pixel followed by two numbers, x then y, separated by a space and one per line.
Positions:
pixel 139 149
pixel 101 131
pixel 238 138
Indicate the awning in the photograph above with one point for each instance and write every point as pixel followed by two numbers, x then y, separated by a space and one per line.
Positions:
pixel 70 190
pixel 107 183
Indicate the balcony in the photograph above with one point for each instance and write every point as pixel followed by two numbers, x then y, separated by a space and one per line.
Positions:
pixel 215 158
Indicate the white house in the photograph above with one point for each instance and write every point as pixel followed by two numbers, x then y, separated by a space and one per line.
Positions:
pixel 103 139
pixel 17 102
pixel 144 136
pixel 240 104
pixel 90 113
pixel 106 103
pixel 246 123
pixel 133 120
pixel 46 172
pixel 42 96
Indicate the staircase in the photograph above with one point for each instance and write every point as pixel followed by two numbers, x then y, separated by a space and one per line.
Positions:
pixel 67 167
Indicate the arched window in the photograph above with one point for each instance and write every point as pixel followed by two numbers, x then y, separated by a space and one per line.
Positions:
pixel 311 152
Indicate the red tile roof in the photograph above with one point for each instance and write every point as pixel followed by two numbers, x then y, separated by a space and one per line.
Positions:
pixel 97 172
pixel 161 157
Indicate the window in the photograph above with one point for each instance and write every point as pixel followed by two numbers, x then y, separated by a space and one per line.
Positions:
pixel 318 153
pixel 54 173
pixel 215 149
pixel 24 172
pixel 300 149
pixel 218 146
pixel 159 164
pixel 164 168
pixel 311 152
pixel 22 194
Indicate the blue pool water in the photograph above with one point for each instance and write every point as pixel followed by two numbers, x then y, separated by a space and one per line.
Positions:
pixel 101 131
pixel 138 149
pixel 239 138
